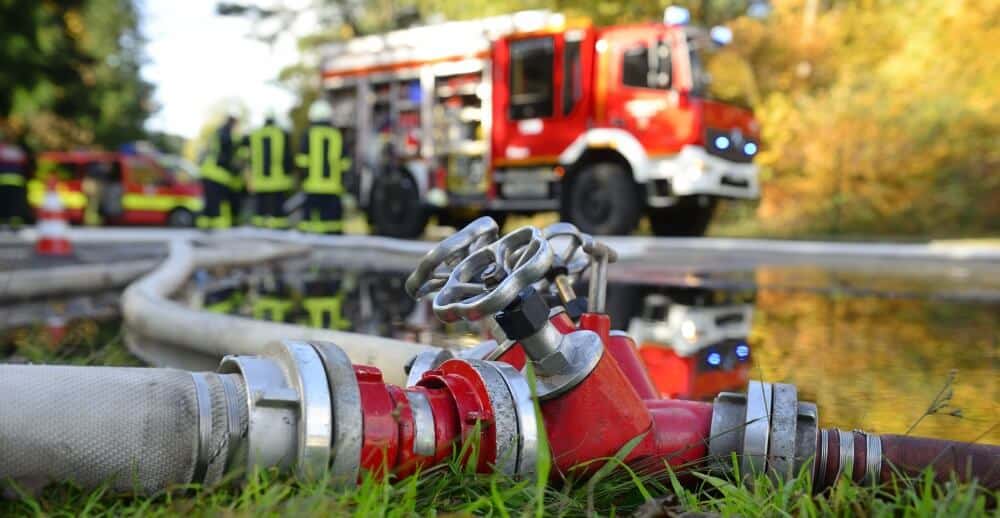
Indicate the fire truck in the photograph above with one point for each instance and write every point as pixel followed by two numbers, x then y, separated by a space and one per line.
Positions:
pixel 534 112
pixel 121 188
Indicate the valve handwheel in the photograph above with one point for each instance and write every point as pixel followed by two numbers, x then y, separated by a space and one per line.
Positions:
pixel 435 267
pixel 491 278
pixel 569 247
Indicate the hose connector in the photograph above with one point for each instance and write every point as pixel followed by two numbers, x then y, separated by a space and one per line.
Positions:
pixel 768 429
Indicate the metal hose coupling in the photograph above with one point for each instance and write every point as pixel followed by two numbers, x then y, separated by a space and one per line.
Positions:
pixel 314 413
pixel 770 431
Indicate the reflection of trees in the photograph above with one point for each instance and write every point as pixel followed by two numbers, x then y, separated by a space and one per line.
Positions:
pixel 878 363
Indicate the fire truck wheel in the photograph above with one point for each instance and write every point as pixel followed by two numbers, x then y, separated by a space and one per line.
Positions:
pixel 689 217
pixel 396 209
pixel 180 218
pixel 601 199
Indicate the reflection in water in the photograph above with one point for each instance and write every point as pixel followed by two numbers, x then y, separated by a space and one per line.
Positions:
pixel 693 340
pixel 867 360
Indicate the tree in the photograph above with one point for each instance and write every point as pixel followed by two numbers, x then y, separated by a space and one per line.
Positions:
pixel 71 73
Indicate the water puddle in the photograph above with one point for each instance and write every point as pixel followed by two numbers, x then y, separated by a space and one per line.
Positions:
pixel 871 351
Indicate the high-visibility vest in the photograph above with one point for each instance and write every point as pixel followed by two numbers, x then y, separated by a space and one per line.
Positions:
pixel 210 167
pixel 323 156
pixel 268 153
pixel 12 166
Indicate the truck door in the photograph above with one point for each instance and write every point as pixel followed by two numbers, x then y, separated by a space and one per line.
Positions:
pixel 540 107
pixel 641 98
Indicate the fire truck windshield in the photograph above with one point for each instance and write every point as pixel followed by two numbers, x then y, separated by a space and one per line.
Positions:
pixel 720 73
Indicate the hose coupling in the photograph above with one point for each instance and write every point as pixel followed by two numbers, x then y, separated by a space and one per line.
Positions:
pixel 768 429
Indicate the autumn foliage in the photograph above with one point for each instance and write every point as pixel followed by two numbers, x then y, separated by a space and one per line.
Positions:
pixel 878 116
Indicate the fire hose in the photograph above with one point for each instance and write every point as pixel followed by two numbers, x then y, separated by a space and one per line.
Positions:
pixel 303 407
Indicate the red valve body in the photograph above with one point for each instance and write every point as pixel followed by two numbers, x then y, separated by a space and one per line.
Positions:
pixel 597 418
pixel 623 350
pixel 621 347
pixel 616 403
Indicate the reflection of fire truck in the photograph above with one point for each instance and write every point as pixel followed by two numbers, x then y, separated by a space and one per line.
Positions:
pixel 533 112
pixel 117 188
pixel 694 340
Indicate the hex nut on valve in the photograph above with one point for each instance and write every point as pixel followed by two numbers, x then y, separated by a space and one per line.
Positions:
pixel 524 317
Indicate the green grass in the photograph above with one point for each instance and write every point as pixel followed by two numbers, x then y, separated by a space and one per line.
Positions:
pixel 452 489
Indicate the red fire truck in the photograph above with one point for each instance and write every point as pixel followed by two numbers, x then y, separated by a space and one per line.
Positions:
pixel 535 112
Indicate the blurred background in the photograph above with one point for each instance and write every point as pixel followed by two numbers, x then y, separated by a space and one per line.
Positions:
pixel 878 118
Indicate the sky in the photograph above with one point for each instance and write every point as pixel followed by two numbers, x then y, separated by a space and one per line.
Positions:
pixel 198 60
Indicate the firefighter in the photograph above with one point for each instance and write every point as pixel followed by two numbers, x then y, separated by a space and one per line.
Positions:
pixel 321 157
pixel 274 299
pixel 13 195
pixel 323 300
pixel 224 300
pixel 270 173
pixel 219 175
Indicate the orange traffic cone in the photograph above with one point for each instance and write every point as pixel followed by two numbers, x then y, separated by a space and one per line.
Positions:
pixel 52 226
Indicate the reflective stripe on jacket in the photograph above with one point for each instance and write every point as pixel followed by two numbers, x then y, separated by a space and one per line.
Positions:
pixel 218 162
pixel 321 153
pixel 270 160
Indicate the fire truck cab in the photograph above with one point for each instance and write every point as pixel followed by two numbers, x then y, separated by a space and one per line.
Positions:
pixel 117 188
pixel 532 112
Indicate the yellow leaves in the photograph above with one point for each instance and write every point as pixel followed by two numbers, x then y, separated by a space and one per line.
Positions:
pixel 74 23
pixel 882 134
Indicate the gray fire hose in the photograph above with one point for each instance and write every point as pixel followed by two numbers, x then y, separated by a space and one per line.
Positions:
pixel 136 429
pixel 163 332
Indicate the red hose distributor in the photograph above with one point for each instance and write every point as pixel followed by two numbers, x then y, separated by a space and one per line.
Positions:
pixel 382 429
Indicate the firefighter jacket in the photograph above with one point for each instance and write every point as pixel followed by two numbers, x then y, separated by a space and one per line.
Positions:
pixel 13 163
pixel 270 160
pixel 321 154
pixel 219 162
pixel 324 304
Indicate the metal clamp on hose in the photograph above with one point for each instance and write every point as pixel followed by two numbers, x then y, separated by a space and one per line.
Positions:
pixel 873 458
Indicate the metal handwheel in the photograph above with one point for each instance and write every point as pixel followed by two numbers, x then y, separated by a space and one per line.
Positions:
pixel 570 251
pixel 491 278
pixel 435 267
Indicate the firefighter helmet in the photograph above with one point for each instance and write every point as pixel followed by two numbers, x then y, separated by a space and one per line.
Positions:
pixel 320 111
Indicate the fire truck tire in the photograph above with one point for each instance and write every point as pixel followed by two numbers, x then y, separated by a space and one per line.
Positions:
pixel 689 217
pixel 602 199
pixel 180 218
pixel 396 209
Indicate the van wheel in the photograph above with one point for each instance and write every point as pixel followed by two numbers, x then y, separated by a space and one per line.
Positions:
pixel 601 199
pixel 396 209
pixel 690 216
pixel 180 218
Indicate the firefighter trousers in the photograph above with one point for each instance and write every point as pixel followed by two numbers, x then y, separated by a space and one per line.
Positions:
pixel 217 211
pixel 322 214
pixel 269 210
pixel 13 205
